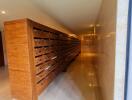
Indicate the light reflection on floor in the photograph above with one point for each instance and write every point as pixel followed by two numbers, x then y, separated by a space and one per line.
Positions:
pixel 78 83
pixel 4 85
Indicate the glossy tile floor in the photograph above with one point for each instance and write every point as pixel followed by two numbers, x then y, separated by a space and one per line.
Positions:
pixel 4 85
pixel 78 83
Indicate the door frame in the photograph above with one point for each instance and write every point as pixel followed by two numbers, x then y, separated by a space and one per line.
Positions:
pixel 128 77
pixel 121 47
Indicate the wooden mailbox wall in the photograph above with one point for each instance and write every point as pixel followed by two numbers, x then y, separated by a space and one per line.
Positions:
pixel 36 55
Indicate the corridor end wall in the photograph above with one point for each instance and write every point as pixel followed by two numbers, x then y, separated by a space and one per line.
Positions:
pixel 106 48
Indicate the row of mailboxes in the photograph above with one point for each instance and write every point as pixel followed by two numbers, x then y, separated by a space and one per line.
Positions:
pixel 36 55
pixel 52 53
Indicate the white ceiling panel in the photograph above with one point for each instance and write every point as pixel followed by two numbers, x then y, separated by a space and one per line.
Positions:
pixel 77 15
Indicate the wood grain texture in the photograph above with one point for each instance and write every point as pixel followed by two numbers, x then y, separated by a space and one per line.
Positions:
pixel 18 54
pixel 36 55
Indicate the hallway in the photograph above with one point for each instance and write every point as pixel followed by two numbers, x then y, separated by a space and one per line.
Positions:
pixel 78 83
pixel 42 37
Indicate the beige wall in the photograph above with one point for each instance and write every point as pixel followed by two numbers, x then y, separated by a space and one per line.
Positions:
pixel 26 9
pixel 106 48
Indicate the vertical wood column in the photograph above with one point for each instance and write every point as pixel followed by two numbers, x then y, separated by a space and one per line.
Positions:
pixel 36 55
pixel 20 55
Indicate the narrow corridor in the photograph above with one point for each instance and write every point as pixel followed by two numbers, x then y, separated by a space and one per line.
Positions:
pixel 40 39
pixel 78 83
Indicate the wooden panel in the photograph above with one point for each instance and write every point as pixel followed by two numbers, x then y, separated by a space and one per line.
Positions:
pixel 36 55
pixel 17 46
pixel 16 38
pixel 41 59
pixel 21 86
pixel 42 51
pixel 41 42
pixel 44 83
pixel 40 34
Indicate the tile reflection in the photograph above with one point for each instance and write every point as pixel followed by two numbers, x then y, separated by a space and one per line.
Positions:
pixel 4 85
pixel 78 83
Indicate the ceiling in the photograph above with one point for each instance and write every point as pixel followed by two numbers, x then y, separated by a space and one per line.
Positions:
pixel 77 15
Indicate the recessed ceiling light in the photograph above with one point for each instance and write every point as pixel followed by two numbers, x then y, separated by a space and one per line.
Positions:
pixel 72 35
pixel 91 25
pixel 3 12
pixel 98 25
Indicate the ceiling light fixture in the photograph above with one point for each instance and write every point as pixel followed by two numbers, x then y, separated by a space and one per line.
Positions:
pixel 91 25
pixel 3 12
